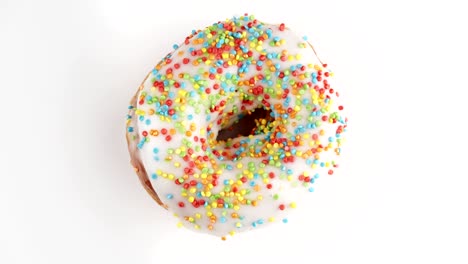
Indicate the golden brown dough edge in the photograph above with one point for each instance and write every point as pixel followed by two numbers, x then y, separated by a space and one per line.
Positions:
pixel 136 162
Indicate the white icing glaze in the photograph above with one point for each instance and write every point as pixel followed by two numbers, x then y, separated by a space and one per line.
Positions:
pixel 191 105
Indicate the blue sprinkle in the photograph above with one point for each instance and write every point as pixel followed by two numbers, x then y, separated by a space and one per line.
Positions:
pixel 222 219
pixel 285 220
pixel 155 150
pixel 311 189
pixel 148 122
pixel 154 176
pixel 130 129
pixel 169 196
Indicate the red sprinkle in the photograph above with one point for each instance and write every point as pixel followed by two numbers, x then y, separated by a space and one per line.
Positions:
pixel 282 27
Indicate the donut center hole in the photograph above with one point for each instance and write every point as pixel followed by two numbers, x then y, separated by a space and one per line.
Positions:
pixel 246 125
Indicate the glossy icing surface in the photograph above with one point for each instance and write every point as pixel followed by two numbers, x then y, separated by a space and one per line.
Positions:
pixel 217 76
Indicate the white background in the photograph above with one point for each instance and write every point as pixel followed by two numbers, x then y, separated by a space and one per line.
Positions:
pixel 69 195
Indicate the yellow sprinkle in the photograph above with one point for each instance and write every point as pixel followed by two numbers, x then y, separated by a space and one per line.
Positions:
pixel 293 205
pixel 179 225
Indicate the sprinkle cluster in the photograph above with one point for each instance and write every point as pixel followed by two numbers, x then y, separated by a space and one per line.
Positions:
pixel 214 78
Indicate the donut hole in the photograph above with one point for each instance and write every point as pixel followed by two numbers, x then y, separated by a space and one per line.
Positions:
pixel 247 124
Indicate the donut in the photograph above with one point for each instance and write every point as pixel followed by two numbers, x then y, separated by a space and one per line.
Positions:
pixel 232 127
